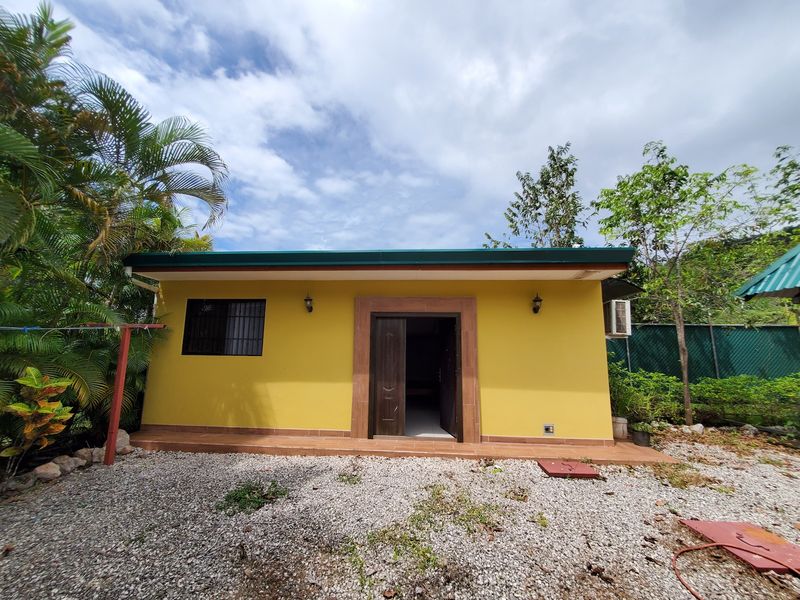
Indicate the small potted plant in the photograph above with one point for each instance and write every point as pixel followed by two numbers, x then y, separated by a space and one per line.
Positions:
pixel 641 433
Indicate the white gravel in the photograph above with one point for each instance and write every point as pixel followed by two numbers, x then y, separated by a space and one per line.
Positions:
pixel 148 528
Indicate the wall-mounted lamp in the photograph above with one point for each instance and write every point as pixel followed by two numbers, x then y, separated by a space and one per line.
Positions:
pixel 309 303
pixel 537 304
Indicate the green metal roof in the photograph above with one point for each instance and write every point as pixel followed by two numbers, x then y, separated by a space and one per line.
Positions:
pixel 781 279
pixel 381 258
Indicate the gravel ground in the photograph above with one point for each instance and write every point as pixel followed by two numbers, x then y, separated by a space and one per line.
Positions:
pixel 418 528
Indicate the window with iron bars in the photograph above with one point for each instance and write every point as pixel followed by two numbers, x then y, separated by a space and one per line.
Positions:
pixel 224 327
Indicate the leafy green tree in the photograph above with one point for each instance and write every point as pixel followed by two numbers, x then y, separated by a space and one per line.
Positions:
pixel 715 269
pixel 547 212
pixel 665 210
pixel 86 178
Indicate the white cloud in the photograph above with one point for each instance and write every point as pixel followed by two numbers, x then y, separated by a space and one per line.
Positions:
pixel 449 100
pixel 335 186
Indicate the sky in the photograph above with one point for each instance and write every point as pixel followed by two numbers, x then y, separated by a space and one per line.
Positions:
pixel 363 125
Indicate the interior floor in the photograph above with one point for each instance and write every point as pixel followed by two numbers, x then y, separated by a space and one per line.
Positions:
pixel 422 420
pixel 430 379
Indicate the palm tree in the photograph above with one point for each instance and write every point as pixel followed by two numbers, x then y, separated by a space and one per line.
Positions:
pixel 86 178
pixel 139 168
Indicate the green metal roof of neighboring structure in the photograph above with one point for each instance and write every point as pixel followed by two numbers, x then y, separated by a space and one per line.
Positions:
pixel 381 258
pixel 781 279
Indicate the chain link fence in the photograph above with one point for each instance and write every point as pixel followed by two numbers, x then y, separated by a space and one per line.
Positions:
pixel 768 351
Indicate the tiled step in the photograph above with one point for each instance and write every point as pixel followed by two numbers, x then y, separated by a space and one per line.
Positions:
pixel 620 453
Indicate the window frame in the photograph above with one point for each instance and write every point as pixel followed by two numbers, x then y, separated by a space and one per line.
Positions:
pixel 191 315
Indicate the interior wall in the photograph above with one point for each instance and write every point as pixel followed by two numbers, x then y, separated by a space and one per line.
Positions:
pixel 532 369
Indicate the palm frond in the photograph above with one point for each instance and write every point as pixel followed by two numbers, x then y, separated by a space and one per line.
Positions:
pixel 7 389
pixel 17 218
pixel 18 149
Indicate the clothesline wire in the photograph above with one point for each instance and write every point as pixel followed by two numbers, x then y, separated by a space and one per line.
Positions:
pixel 29 328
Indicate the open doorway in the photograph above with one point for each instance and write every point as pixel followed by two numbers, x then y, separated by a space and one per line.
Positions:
pixel 415 376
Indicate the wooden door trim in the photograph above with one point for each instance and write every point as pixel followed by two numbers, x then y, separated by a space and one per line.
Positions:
pixel 466 308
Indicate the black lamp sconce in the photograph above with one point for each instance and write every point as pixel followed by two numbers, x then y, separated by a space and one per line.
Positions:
pixel 537 304
pixel 309 303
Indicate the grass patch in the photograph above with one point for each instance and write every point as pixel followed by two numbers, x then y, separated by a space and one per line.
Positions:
pixel 348 478
pixel 249 497
pixel 704 460
pixel 405 543
pixel 409 541
pixel 724 489
pixel 775 462
pixel 356 560
pixel 460 508
pixel 474 516
pixel 539 519
pixel 488 465
pixel 351 475
pixel 682 476
pixel 733 441
pixel 520 494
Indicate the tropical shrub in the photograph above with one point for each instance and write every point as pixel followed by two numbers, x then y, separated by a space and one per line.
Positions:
pixel 38 417
pixel 87 177
pixel 644 396
pixel 749 399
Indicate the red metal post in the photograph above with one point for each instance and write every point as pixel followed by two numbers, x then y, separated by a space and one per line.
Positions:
pixel 116 402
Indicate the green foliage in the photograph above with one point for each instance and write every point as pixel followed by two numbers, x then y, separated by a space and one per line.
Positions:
pixel 348 478
pixel 86 178
pixel 643 396
pixel 548 211
pixel 714 270
pixel 356 560
pixel 405 543
pixel 540 519
pixel 37 418
pixel 682 476
pixel 665 210
pixel 642 426
pixel 249 497
pixel 520 494
pixel 749 399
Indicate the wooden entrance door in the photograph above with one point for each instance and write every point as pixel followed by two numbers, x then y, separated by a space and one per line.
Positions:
pixel 389 376
pixel 449 377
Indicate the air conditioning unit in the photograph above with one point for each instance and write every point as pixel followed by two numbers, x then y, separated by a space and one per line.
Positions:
pixel 617 316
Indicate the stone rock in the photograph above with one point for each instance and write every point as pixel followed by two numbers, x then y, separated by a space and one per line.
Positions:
pixel 47 471
pixel 21 482
pixel 685 429
pixel 123 439
pixel 697 428
pixel 98 454
pixel 125 450
pixel 748 430
pixel 85 454
pixel 68 463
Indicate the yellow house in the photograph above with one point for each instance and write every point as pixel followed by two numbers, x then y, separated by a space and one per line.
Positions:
pixel 460 345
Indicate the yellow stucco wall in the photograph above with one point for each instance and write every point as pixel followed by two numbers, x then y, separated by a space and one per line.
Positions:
pixel 532 369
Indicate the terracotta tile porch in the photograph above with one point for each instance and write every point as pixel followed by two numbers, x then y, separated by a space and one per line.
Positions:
pixel 620 453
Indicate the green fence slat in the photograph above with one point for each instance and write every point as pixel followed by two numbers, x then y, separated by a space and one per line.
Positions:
pixel 768 352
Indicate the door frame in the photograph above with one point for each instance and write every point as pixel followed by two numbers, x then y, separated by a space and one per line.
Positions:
pixel 456 317
pixel 467 311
